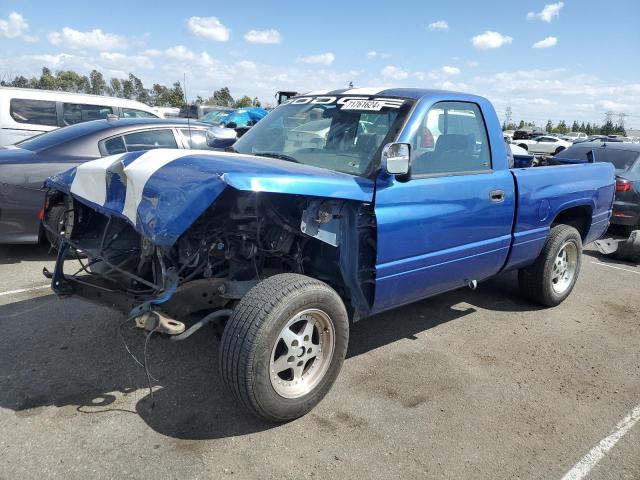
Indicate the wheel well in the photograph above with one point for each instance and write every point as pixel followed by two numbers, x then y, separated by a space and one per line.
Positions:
pixel 576 217
pixel 524 145
pixel 560 149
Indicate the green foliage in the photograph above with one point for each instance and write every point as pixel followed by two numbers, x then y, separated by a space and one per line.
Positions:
pixel 243 102
pixel 549 127
pixel 131 87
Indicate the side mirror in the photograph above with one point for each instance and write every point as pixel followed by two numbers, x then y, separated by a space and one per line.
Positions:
pixel 219 137
pixel 396 158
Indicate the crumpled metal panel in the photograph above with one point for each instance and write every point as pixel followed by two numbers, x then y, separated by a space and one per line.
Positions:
pixel 162 192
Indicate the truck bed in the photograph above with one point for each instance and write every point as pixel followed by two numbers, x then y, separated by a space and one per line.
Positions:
pixel 543 193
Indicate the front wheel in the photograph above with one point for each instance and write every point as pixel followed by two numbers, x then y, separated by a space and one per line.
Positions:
pixel 284 345
pixel 551 278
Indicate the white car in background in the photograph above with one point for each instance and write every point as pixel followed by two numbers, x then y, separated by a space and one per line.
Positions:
pixel 574 136
pixel 544 144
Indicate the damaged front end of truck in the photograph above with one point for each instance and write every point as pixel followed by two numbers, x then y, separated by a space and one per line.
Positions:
pixel 177 248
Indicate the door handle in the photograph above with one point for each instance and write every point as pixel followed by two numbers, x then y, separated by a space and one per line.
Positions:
pixel 497 196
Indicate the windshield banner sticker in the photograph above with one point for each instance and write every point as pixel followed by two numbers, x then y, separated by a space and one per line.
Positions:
pixel 349 103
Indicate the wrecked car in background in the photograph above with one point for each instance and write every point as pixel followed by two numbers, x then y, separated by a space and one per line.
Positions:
pixel 292 236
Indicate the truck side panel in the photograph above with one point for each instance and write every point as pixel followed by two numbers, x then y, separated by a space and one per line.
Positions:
pixel 545 192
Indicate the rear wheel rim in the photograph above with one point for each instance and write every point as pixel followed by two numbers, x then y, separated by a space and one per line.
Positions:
pixel 302 353
pixel 564 268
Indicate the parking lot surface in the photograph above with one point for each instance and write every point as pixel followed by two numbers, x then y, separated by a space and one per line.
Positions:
pixel 470 384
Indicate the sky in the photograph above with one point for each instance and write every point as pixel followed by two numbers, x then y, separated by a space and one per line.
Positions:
pixel 571 60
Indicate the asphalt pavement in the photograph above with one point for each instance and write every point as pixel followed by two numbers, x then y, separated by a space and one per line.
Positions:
pixel 470 384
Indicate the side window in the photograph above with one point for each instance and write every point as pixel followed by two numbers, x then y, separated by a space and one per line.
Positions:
pixel 37 112
pixel 150 139
pixel 197 139
pixel 452 139
pixel 134 113
pixel 73 113
pixel 114 145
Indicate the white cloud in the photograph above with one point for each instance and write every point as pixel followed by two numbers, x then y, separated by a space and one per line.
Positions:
pixel 320 59
pixel 472 64
pixel 548 13
pixel 545 43
pixel 391 72
pixel 490 39
pixel 208 28
pixel 15 26
pixel 263 36
pixel 95 39
pixel 441 25
pixel 372 54
pixel 447 70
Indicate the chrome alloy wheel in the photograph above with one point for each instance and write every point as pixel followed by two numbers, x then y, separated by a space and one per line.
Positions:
pixel 564 267
pixel 302 353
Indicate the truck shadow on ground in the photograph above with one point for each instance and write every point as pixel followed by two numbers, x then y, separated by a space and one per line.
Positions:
pixel 67 354
pixel 12 254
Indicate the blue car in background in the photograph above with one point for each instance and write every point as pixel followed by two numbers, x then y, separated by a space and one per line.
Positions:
pixel 243 117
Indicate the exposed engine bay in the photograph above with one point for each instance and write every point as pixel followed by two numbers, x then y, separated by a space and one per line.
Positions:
pixel 239 240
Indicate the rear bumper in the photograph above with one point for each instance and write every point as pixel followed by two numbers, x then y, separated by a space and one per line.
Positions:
pixel 625 213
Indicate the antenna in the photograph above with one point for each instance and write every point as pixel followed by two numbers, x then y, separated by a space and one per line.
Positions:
pixel 186 104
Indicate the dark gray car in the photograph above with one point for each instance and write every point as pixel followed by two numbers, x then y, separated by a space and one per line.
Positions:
pixel 25 166
pixel 625 157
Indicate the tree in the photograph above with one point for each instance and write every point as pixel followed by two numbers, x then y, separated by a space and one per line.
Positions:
pixel 140 93
pixel 116 87
pixel 588 129
pixel 521 124
pixel 549 127
pixel 47 80
pixel 607 128
pixel 128 88
pixel 582 128
pixel 575 127
pixel 98 85
pixel 221 97
pixel 243 102
pixel 20 82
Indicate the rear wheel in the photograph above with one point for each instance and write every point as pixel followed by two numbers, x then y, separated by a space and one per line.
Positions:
pixel 551 278
pixel 558 150
pixel 55 222
pixel 284 345
pixel 525 146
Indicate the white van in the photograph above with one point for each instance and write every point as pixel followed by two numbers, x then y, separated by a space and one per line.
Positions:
pixel 25 112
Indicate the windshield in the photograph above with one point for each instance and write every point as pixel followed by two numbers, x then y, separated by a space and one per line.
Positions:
pixel 214 117
pixel 337 133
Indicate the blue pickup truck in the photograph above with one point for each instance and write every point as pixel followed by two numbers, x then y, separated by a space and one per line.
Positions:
pixel 338 205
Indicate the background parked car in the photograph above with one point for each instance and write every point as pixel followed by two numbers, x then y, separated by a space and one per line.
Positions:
pixel 25 166
pixel 214 117
pixel 574 136
pixel 625 157
pixel 243 117
pixel 199 111
pixel 25 112
pixel 544 144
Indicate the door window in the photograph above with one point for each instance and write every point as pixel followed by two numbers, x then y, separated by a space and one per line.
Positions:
pixel 150 139
pixel 73 113
pixel 135 113
pixel 136 141
pixel 452 139
pixel 38 112
pixel 195 138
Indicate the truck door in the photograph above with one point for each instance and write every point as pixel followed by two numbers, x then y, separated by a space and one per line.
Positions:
pixel 450 222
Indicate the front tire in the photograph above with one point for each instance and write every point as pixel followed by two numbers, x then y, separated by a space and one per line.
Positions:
pixel 551 278
pixel 284 345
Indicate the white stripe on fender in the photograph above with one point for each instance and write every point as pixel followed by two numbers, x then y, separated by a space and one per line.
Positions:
pixel 364 91
pixel 140 170
pixel 90 180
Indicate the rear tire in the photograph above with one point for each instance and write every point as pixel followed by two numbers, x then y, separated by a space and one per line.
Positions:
pixel 525 146
pixel 284 345
pixel 558 150
pixel 551 278
pixel 54 219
